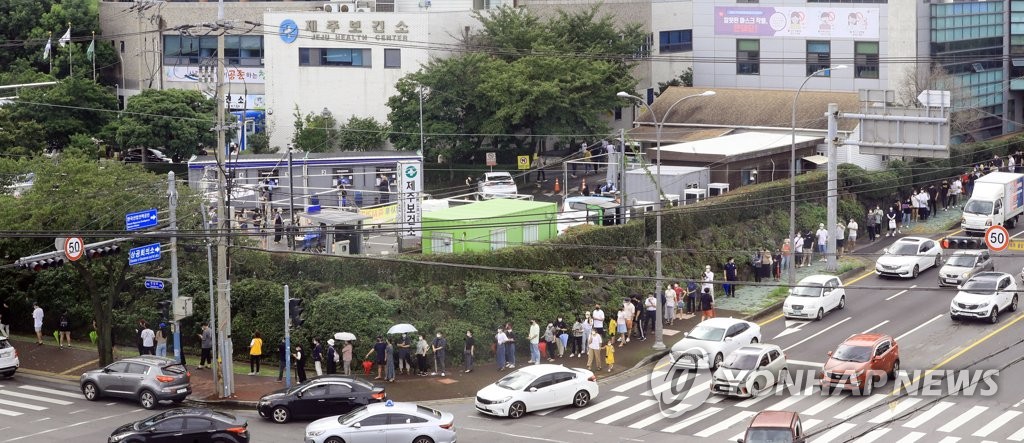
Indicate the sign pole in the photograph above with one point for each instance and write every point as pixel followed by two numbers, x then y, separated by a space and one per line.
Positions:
pixel 287 342
pixel 172 196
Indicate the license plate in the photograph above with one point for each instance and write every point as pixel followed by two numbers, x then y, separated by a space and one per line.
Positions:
pixel 797 312
pixel 182 390
pixel 951 280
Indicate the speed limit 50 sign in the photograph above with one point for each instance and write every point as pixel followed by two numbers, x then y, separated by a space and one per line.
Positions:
pixel 997 238
pixel 74 247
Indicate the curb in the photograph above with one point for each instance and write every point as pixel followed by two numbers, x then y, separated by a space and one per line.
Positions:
pixel 48 376
pixel 227 403
pixel 775 307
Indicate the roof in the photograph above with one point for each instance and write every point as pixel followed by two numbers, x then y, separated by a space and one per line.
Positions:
pixel 756 348
pixel 773 419
pixel 542 369
pixel 395 406
pixel 817 278
pixel 334 217
pixel 738 144
pixel 151 359
pixel 817 159
pixel 989 275
pixel 864 339
pixel 721 322
pixel 913 240
pixel 497 174
pixel 601 202
pixel 668 170
pixel 675 134
pixel 487 209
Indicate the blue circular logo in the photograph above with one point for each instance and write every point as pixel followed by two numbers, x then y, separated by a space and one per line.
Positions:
pixel 289 31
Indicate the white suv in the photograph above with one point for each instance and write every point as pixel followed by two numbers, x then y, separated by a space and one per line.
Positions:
pixel 9 362
pixel 983 296
pixel 496 185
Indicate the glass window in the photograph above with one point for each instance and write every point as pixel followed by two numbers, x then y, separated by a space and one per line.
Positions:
pixel 198 424
pixel 865 59
pixel 405 419
pixel 334 57
pixel 676 41
pixel 530 233
pixel 304 56
pixel 243 50
pixel 170 425
pixel 748 57
pixel 392 58
pixel 118 367
pixel 340 388
pixel 374 420
pixel 498 239
pixel 135 368
pixel 819 56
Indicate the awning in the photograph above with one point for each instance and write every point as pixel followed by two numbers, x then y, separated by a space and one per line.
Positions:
pixel 817 159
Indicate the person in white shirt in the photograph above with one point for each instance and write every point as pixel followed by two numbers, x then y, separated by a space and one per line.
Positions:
pixel 594 349
pixel 534 337
pixel 670 305
pixel 954 192
pixel 148 341
pixel 851 235
pixel 822 236
pixel 798 249
pixel 650 312
pixel 630 311
pixel 708 278
pixel 37 322
pixel 598 317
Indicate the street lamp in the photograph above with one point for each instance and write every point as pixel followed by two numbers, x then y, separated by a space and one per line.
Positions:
pixel 792 176
pixel 659 344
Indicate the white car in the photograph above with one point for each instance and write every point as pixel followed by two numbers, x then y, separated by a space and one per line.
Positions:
pixel 496 184
pixel 983 296
pixel 964 264
pixel 750 370
pixel 388 421
pixel 908 257
pixel 814 296
pixel 707 345
pixel 9 362
pixel 537 387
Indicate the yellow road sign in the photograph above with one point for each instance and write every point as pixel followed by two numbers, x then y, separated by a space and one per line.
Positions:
pixel 523 161
pixel 1016 245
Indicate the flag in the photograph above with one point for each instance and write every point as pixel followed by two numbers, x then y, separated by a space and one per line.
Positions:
pixel 66 38
pixel 46 50
pixel 91 52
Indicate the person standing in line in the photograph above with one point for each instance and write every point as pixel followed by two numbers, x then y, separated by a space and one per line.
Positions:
pixel 161 340
pixel 638 321
pixel 138 336
pixel 776 264
pixel 822 236
pixel 787 253
pixel 905 207
pixel 332 357
pixel 206 342
pixel 377 351
pixel 707 305
pixel 534 337
pixel 404 364
pixel 594 350
pixel 148 341
pixel 650 312
pixel 255 353
pixel 318 357
pixel 468 351
pixel 691 296
pixel 840 239
pixel 621 329
pixel 576 338
pixel 954 192
pixel 851 235
pixel 440 348
pixel 755 263
pixel 891 222
pixel 300 363
pixel 64 327
pixel 421 355
pixel 915 206
pixel 561 336
pixel 631 322
pixel 510 347
pixel 670 305
pixel 598 316
pixel 876 219
pixel 549 341
pixel 5 319
pixel 278 227
pixel 37 322
pixel 766 264
pixel 709 278
pixel 798 250
pixel 944 195
pixel 588 328
pixel 346 358
pixel 389 362
pixel 499 350
pixel 678 315
pixel 609 356
pixel 282 354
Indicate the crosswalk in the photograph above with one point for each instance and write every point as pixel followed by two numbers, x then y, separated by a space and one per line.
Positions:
pixel 20 399
pixel 842 418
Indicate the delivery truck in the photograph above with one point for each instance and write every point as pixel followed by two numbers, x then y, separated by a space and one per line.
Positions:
pixel 997 199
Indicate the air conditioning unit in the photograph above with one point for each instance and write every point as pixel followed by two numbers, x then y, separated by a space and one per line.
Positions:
pixel 341 247
pixel 340 7
pixel 364 10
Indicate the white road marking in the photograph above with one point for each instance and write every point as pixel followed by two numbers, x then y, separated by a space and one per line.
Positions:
pixel 861 406
pixel 1020 402
pixel 667 385
pixel 579 432
pixel 959 420
pixel 75 412
pixel 689 421
pixel 817 333
pixel 805 363
pixel 41 419
pixel 654 418
pixel 630 439
pixel 810 424
pixel 22 405
pixel 657 375
pixel 595 407
pixel 911 437
pixel 900 293
pixel 788 401
pixel 822 405
pixel 834 433
pixel 873 435
pixel 935 410
pixel 893 412
pixel 919 327
pixel 1017 436
pixel 9 413
pixel 548 411
pixel 72 394
pixel 991 426
pixel 73 425
pixel 725 424
pixel 875 327
pixel 627 412
pixel 34 397
pixel 519 436
pixel 950 440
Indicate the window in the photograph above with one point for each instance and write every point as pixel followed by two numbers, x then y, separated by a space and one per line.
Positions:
pixel 170 425
pixel 315 391
pixel 748 57
pixel 404 419
pixel 198 424
pixel 334 57
pixel 530 233
pixel 819 56
pixel 240 50
pixel 441 242
pixel 676 41
pixel 136 368
pixel 865 59
pixel 498 239
pixel 374 420
pixel 392 58
pixel 118 367
pixel 340 388
pixel 541 382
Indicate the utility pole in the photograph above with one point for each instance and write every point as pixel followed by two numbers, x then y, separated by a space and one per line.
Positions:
pixel 622 180
pixel 287 341
pixel 291 198
pixel 172 208
pixel 223 221
pixel 213 316
pixel 832 188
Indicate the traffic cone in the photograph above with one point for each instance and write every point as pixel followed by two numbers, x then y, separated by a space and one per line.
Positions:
pixel 558 186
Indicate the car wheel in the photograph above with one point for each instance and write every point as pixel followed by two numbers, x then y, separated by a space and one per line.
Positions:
pixel 753 341
pixel 1013 304
pixel 147 399
pixel 423 439
pixel 717 362
pixel 783 377
pixel 895 369
pixel 842 302
pixel 90 391
pixel 334 440
pixel 821 313
pixel 755 388
pixel 280 414
pixel 954 318
pixel 581 399
pixel 937 259
pixel 994 316
pixel 518 409
pixel 917 270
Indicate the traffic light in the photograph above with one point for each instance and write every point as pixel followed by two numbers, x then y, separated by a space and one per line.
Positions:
pixel 295 311
pixel 43 263
pixel 164 307
pixel 102 251
pixel 963 242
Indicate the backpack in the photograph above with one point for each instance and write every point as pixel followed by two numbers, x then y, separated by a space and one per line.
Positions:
pixel 63 322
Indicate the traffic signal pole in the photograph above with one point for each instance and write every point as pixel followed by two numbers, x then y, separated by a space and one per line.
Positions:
pixel 287 341
pixel 172 205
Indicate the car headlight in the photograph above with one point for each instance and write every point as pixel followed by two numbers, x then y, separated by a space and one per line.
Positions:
pixel 121 436
pixel 983 305
pixel 965 275
pixel 988 223
pixel 315 433
pixel 506 399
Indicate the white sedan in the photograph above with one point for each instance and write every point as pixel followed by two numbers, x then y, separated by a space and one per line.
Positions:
pixel 537 387
pixel 389 421
pixel 814 296
pixel 983 296
pixel 711 341
pixel 750 370
pixel 908 256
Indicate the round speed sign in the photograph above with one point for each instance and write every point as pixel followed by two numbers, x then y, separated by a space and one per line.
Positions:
pixel 74 247
pixel 997 238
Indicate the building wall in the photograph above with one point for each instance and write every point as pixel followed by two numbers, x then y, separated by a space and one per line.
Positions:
pixel 469 236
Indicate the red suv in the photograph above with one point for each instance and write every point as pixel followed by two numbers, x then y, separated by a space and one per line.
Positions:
pixel 774 426
pixel 860 362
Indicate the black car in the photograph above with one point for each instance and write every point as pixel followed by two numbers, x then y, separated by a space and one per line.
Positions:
pixel 194 425
pixel 319 397
pixel 153 155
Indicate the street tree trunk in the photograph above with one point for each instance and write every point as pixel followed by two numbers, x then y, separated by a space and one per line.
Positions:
pixel 102 301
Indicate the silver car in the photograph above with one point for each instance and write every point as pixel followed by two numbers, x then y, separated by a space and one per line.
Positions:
pixel 8 358
pixel 148 378
pixel 388 421
pixel 963 265
pixel 750 371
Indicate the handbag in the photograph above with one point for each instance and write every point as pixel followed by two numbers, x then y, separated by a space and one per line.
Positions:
pixel 892 224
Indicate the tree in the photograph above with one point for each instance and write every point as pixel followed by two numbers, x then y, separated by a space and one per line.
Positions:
pixel 72 106
pixel 176 120
pixel 315 132
pixel 965 117
pixel 684 79
pixel 362 134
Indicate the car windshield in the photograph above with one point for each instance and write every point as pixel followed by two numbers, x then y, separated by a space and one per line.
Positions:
pixel 858 354
pixel 515 381
pixel 352 417
pixel 962 260
pixel 903 249
pixel 156 418
pixel 806 291
pixel 978 207
pixel 769 435
pixel 979 286
pixel 738 360
pixel 707 333
pixel 427 411
pixel 174 369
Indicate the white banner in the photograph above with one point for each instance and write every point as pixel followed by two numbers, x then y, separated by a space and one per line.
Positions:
pixel 810 21
pixel 410 189
pixel 252 102
pixel 250 76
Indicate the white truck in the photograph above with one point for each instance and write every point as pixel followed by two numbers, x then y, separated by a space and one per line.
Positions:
pixel 997 199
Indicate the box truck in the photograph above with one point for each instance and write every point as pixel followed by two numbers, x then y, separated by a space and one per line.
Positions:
pixel 997 199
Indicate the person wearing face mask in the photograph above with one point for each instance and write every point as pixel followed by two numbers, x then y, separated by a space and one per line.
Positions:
pixel 421 355
pixel 439 346
pixel 468 349
pixel 562 332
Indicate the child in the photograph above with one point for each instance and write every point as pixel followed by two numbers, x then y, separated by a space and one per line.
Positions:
pixel 612 328
pixel 609 355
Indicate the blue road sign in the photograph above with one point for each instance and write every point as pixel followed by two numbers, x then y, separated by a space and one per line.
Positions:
pixel 155 284
pixel 144 254
pixel 140 220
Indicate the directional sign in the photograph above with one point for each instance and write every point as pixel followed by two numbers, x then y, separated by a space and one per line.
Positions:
pixel 155 284
pixel 144 254
pixel 140 220
pixel 997 238
pixel 74 247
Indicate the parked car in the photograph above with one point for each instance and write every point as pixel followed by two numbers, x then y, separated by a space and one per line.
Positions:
pixel 184 424
pixel 713 339
pixel 319 397
pixel 962 265
pixel 496 184
pixel 388 421
pixel 908 257
pixel 774 427
pixel 148 378
pixel 537 387
pixel 750 370
pixel 814 296
pixel 859 362
pixel 153 155
pixel 9 362
pixel 984 296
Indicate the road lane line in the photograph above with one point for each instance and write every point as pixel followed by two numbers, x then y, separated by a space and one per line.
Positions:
pixel 875 327
pixel 72 394
pixel 919 327
pixel 9 413
pixel 817 334
pixel 22 405
pixel 662 414
pixel 1017 436
pixel 579 432
pixel 638 381
pixel 1017 404
pixel 41 419
pixel 991 426
pixel 47 431
pixel 692 420
pixel 548 411
pixel 725 424
pixel 813 364
pixel 809 424
pixel 911 437
pixel 627 412
pixel 771 319
pixel 834 433
pixel 75 412
pixel 893 412
pixel 519 436
pixel 861 406
pixel 596 407
pixel 873 435
pixel 901 293
pixel 822 405
pixel 928 415
pixel 950 440
pixel 959 420
pixel 35 397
